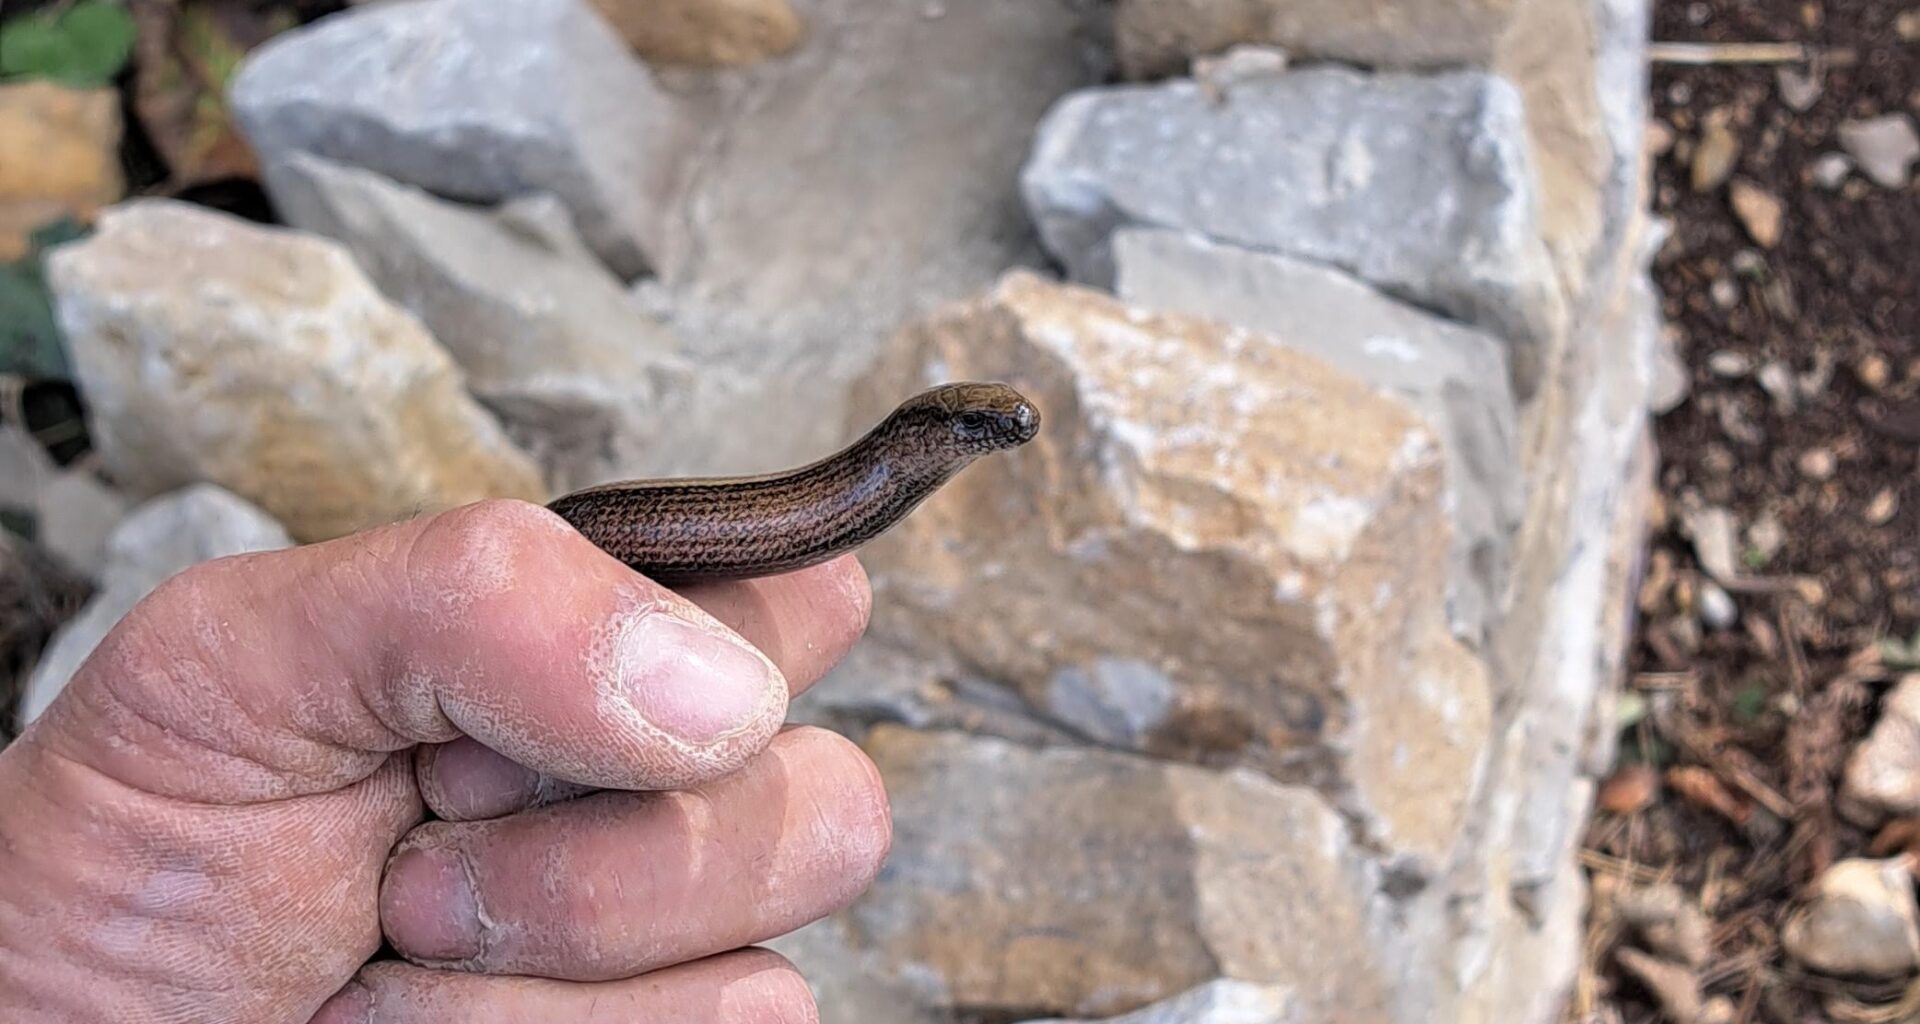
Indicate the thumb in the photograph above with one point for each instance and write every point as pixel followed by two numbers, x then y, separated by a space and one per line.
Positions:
pixel 285 673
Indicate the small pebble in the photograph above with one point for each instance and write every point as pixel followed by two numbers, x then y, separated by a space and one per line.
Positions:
pixel 1766 537
pixel 1817 463
pixel 1777 381
pixel 1831 170
pixel 1799 88
pixel 1760 212
pixel 1885 148
pixel 1659 137
pixel 1714 158
pixel 1717 610
pixel 1730 364
pixel 1712 530
pixel 1724 292
pixel 1907 25
pixel 1881 510
pixel 1873 371
pixel 1749 263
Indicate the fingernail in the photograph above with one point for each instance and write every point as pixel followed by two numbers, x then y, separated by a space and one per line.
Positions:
pixel 468 781
pixel 698 684
pixel 428 907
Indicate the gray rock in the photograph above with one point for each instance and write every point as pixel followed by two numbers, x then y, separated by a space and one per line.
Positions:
pixel 1422 185
pixel 1830 171
pixel 1885 148
pixel 25 468
pixel 1883 772
pixel 1717 609
pixel 1087 883
pixel 1218 1002
pixel 480 100
pixel 852 984
pixel 1860 921
pixel 844 191
pixel 73 511
pixel 162 537
pixel 77 513
pixel 547 339
pixel 1457 377
pixel 880 683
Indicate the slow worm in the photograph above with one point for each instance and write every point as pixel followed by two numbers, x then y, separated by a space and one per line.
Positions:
pixel 720 528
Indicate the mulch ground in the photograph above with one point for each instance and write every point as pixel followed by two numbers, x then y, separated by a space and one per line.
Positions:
pixel 1803 424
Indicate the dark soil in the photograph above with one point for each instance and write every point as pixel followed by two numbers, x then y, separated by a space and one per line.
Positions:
pixel 1803 420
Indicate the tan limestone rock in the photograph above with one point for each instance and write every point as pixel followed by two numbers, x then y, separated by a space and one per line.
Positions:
pixel 1161 37
pixel 1083 882
pixel 1883 773
pixel 59 156
pixel 262 360
pixel 1218 549
pixel 705 33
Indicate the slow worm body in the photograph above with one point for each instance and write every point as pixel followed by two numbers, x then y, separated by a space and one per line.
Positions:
pixel 686 531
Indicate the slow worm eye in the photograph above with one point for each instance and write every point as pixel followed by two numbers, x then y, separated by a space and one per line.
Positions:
pixel 972 421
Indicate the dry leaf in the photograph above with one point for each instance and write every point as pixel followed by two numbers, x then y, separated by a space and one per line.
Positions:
pixel 188 51
pixel 1701 788
pixel 1630 790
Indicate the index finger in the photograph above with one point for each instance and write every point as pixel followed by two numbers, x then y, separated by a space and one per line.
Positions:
pixel 805 622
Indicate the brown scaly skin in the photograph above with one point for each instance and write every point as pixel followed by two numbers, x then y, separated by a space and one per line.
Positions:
pixel 681 531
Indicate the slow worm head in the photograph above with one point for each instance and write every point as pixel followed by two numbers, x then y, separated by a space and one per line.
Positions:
pixel 684 531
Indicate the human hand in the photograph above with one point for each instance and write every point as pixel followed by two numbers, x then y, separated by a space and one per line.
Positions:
pixel 197 828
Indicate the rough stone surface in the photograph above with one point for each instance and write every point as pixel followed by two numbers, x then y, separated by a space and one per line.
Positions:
pixel 546 339
pixel 481 101
pixel 1455 376
pixel 159 539
pixel 1099 883
pixel 1861 921
pixel 1157 38
pixel 182 321
pixel 853 983
pixel 77 514
pixel 1422 185
pixel 1884 771
pixel 843 191
pixel 705 33
pixel 1219 548
pixel 73 512
pixel 59 156
pixel 881 683
pixel 1564 56
pixel 1218 1002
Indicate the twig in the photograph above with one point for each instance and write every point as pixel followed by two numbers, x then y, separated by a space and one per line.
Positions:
pixel 1596 861
pixel 1702 54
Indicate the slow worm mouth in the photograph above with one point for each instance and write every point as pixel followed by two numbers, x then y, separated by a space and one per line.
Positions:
pixel 1026 419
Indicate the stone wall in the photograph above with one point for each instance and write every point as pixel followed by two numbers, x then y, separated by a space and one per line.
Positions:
pixel 1268 684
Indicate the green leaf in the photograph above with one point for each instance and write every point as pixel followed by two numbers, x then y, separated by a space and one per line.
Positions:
pixel 1750 702
pixel 1902 656
pixel 84 45
pixel 1630 710
pixel 31 344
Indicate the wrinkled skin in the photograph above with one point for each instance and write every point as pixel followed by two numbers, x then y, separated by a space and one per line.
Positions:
pixel 224 813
